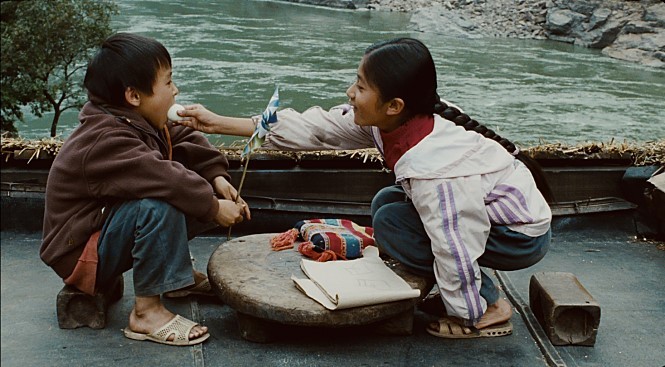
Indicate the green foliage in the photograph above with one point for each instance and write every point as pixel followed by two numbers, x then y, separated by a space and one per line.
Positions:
pixel 46 45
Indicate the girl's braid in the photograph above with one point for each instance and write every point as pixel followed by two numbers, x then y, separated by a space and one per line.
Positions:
pixel 461 119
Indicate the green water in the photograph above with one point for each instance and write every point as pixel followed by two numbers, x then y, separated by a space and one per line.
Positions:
pixel 229 55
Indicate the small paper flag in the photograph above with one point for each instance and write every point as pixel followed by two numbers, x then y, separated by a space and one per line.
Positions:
pixel 268 118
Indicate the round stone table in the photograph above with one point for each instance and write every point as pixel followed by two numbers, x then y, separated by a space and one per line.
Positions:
pixel 255 281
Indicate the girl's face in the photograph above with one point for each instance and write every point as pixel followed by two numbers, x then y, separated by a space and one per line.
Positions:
pixel 368 108
pixel 154 108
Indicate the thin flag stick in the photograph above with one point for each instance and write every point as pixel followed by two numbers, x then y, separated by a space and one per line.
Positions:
pixel 268 117
pixel 242 181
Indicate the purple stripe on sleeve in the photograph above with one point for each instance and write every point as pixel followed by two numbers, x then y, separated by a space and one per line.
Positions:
pixel 495 215
pixel 521 209
pixel 511 202
pixel 464 269
pixel 510 215
pixel 517 216
pixel 505 190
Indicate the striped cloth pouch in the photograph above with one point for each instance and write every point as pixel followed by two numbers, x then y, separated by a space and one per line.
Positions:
pixel 327 239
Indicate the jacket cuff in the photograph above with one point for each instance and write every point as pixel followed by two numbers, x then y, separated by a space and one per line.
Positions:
pixel 212 211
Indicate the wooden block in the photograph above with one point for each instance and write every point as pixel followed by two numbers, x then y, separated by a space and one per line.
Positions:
pixel 564 308
pixel 76 309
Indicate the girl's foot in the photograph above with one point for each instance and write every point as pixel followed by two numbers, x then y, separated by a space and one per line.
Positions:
pixel 495 322
pixel 497 313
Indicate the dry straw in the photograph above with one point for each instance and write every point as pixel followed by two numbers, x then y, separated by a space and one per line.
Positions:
pixel 639 154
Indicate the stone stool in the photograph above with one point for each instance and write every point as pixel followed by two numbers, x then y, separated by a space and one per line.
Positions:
pixel 75 308
pixel 564 308
pixel 256 282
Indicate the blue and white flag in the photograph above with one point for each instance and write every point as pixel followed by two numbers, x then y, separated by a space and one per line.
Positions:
pixel 268 118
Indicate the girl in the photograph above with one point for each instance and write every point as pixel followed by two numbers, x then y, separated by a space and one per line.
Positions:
pixel 464 196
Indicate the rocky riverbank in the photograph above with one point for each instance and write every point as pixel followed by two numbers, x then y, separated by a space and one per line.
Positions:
pixel 627 30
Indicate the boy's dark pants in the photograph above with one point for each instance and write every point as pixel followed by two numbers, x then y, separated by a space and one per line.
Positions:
pixel 151 237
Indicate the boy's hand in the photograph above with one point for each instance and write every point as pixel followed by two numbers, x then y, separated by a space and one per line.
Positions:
pixel 229 213
pixel 199 118
pixel 224 189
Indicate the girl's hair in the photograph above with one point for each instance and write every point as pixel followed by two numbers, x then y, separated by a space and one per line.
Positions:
pixel 125 60
pixel 404 68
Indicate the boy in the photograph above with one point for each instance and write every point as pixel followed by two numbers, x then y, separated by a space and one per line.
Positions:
pixel 126 186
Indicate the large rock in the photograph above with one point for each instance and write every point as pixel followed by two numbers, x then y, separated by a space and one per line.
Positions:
pixel 644 48
pixel 344 4
pixel 440 20
pixel 655 14
pixel 628 31
pixel 563 25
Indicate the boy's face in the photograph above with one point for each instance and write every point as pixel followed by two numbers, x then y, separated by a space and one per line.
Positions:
pixel 154 108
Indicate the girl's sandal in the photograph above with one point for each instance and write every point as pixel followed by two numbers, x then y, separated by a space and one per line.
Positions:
pixel 447 328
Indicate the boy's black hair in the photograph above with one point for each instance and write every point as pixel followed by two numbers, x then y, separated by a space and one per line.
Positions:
pixel 124 60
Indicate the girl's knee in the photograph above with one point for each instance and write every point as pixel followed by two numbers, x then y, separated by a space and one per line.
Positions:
pixel 377 202
pixel 385 196
pixel 381 223
pixel 542 246
pixel 380 220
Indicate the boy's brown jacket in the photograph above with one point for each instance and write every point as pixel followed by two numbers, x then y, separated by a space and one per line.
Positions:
pixel 115 155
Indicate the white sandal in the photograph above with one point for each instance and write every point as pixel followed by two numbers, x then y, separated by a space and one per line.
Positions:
pixel 179 327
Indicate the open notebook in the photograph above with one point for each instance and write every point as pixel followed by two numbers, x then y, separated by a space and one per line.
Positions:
pixel 360 282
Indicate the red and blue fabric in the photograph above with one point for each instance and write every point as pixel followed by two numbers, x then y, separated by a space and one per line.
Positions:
pixel 341 236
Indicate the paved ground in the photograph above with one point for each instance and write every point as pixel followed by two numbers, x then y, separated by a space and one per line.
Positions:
pixel 624 275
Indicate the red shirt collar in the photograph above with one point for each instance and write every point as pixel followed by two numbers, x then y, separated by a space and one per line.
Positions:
pixel 400 140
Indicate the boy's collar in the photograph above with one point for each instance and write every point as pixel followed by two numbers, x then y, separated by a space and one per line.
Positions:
pixel 127 114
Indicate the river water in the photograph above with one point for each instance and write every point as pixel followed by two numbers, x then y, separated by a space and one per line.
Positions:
pixel 228 55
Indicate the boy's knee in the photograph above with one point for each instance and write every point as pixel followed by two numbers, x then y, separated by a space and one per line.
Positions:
pixel 160 212
pixel 156 205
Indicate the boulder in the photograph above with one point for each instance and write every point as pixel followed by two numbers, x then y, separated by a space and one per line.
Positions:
pixel 344 4
pixel 440 20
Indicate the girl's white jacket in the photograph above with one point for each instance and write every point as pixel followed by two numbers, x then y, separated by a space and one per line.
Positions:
pixel 460 183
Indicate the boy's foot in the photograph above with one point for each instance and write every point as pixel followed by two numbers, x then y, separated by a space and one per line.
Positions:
pixel 149 317
pixel 175 332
